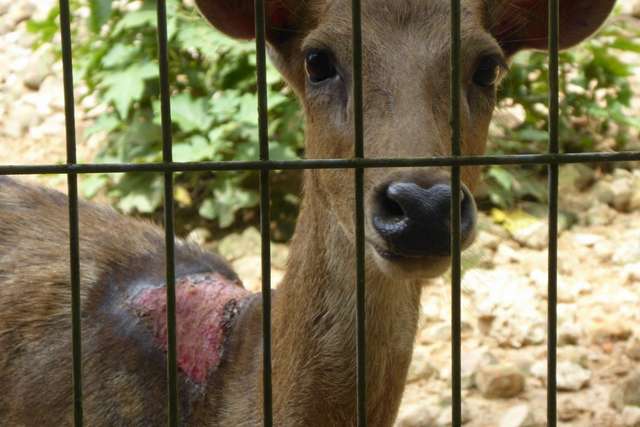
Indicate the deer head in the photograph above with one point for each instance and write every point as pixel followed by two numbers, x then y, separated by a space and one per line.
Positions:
pixel 406 51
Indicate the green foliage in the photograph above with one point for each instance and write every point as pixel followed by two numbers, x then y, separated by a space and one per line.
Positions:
pixel 594 98
pixel 214 107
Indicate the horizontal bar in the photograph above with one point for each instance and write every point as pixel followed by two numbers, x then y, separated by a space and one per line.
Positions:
pixel 519 159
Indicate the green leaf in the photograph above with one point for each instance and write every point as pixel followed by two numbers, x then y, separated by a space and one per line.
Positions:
pixel 279 151
pixel 124 87
pixel 502 176
pixel 626 44
pixel 196 148
pixel 141 193
pixel 105 123
pixel 92 184
pixel 119 55
pixel 226 201
pixel 47 28
pixel 100 11
pixel 190 114
pixel 529 134
pixel 135 19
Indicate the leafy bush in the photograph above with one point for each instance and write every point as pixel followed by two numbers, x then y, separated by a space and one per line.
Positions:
pixel 213 106
pixel 595 95
pixel 213 101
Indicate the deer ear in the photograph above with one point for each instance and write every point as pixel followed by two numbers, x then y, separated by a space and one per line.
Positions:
pixel 236 17
pixel 523 24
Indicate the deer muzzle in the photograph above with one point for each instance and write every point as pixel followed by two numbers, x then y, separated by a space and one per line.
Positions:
pixel 413 218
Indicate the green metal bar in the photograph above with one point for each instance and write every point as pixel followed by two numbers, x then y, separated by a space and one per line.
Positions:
pixel 74 227
pixel 265 214
pixel 167 157
pixel 276 165
pixel 358 122
pixel 554 148
pixel 455 122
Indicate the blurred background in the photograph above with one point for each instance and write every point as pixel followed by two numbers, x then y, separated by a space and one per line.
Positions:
pixel 214 106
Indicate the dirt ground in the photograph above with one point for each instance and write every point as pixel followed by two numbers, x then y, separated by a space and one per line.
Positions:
pixel 504 284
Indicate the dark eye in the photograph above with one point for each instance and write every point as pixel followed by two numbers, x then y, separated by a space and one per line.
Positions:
pixel 488 71
pixel 319 65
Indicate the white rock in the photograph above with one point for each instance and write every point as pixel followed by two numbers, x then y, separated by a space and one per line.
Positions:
pixel 506 254
pixel 569 333
pixel 631 416
pixel 622 189
pixel 626 392
pixel 568 410
pixel 569 375
pixel 471 362
pixel 534 236
pixel 517 416
pixel 21 118
pixel 415 415
pixel 445 419
pixel 500 381
pixel 633 349
pixel 631 273
pixel 38 68
pixel 432 310
pixel 610 330
pixel 628 251
pixel 502 299
pixel 603 191
pixel 588 240
pixel 199 236
pixel 600 214
pixel 421 367
pixel 574 354
pixel 487 240
pixel 634 202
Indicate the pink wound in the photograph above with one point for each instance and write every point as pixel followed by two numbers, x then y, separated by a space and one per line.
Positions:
pixel 205 303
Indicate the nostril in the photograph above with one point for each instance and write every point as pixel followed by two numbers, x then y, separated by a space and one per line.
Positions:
pixel 414 220
pixel 389 208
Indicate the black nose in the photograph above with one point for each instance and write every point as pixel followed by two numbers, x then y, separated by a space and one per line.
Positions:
pixel 415 221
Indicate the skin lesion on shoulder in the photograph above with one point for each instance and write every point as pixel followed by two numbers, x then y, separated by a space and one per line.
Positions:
pixel 206 305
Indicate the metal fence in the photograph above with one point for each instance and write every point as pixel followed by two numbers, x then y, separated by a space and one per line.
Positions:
pixel 455 161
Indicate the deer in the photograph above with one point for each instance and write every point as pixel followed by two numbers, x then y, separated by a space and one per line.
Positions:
pixel 406 50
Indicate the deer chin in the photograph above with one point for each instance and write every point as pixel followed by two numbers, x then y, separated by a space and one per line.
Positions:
pixel 398 267
pixel 412 267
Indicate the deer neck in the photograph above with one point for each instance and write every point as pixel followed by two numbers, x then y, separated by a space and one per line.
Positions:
pixel 314 328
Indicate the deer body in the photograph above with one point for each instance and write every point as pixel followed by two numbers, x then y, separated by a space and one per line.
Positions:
pixel 406 53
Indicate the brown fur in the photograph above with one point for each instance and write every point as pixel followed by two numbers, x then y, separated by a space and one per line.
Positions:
pixel 406 61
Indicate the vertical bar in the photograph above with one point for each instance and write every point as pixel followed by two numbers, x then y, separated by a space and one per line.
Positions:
pixel 456 388
pixel 265 213
pixel 74 232
pixel 358 120
pixel 553 214
pixel 167 157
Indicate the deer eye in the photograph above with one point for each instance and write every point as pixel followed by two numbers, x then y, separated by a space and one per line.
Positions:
pixel 488 71
pixel 319 65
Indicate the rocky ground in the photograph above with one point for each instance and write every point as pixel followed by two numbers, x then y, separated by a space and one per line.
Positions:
pixel 504 314
pixel 504 322
pixel 32 122
pixel 504 284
